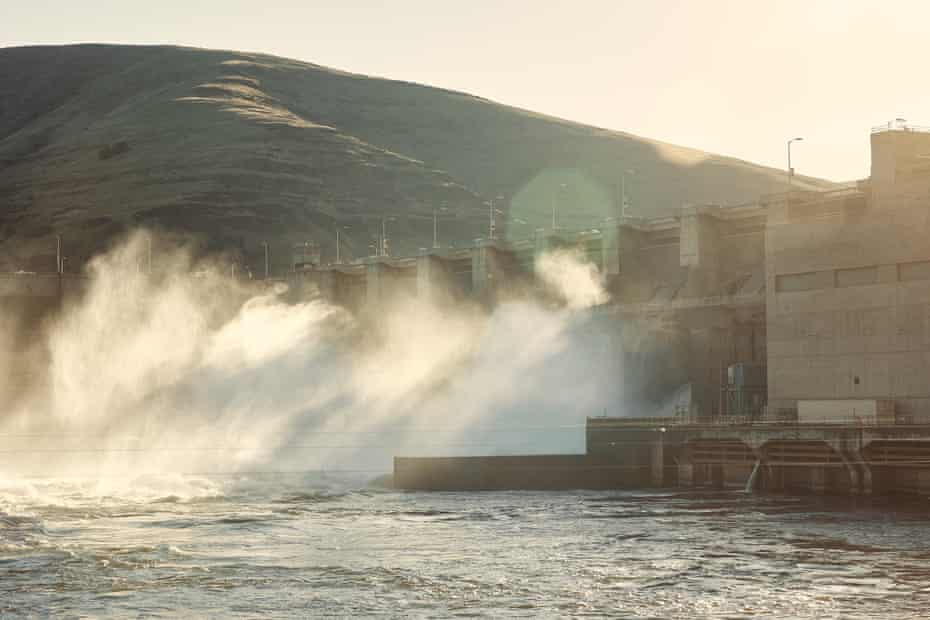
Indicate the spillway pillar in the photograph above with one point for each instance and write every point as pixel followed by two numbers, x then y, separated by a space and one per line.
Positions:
pixel 486 259
pixel 818 479
pixel 699 251
pixel 657 469
pixel 430 276
pixel 325 280
pixel 377 283
pixel 686 474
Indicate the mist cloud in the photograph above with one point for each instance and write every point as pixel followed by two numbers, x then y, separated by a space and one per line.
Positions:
pixel 187 370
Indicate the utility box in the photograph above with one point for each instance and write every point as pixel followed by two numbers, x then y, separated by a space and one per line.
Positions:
pixel 743 391
pixel 746 375
pixel 846 412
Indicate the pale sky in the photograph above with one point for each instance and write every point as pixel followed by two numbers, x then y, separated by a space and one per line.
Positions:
pixel 732 77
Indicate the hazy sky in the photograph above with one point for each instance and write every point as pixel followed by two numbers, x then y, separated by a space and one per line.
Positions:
pixel 732 77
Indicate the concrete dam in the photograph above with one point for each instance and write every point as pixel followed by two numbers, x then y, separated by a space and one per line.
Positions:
pixel 805 336
pixel 799 324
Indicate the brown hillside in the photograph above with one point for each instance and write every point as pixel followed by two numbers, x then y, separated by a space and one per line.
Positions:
pixel 241 148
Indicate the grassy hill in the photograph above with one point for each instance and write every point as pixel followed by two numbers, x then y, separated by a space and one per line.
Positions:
pixel 243 148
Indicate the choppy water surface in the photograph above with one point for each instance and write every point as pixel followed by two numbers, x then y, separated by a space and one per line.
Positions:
pixel 272 546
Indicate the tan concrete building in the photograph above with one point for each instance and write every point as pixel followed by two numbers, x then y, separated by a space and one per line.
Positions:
pixel 848 285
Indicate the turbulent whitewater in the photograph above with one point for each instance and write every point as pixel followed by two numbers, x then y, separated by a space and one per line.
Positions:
pixel 310 546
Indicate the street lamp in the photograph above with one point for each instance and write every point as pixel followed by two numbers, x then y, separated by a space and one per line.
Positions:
pixel 624 202
pixel 562 188
pixel 790 169
pixel 436 224
pixel 384 239
pixel 265 245
pixel 338 244
pixel 491 212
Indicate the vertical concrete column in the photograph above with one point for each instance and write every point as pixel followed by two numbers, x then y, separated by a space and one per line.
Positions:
pixel 884 480
pixel 484 268
pixel 699 251
pixel 865 476
pixel 700 474
pixel 717 476
pixel 376 276
pixel 623 246
pixel 774 478
pixel 429 276
pixel 818 479
pixel 610 250
pixel 658 460
pixel 326 283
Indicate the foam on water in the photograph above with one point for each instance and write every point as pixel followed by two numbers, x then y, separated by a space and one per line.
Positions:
pixel 282 547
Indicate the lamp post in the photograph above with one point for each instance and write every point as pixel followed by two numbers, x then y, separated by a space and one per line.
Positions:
pixel 436 211
pixel 265 245
pixel 384 238
pixel 339 244
pixel 790 169
pixel 624 203
pixel 491 211
pixel 562 188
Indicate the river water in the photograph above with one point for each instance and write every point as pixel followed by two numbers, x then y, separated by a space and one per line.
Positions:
pixel 272 545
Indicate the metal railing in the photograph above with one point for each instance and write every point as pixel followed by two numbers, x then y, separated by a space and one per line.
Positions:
pixel 743 421
pixel 808 196
pixel 900 125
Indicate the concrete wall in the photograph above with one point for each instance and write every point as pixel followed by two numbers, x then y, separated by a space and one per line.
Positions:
pixel 30 296
pixel 848 294
pixel 900 168
pixel 700 253
pixel 538 472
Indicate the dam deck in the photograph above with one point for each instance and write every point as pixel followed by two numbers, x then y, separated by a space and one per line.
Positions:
pixel 835 458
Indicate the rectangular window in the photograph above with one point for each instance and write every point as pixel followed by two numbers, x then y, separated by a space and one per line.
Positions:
pixel 809 281
pixel 914 271
pixel 859 276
